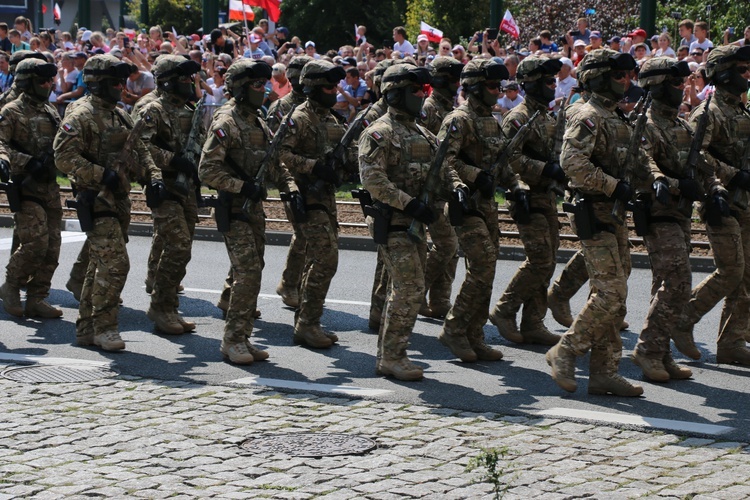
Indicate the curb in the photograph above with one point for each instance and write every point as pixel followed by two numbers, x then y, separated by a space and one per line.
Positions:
pixel 364 243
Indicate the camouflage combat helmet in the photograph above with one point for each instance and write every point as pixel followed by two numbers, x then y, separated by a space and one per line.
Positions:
pixel 169 67
pixel 240 74
pixel 660 69
pixel 725 57
pixel 601 61
pixel 403 75
pixel 319 72
pixel 380 68
pixel 32 75
pixel 294 70
pixel 443 65
pixel 481 70
pixel 104 66
pixel 533 68
pixel 21 55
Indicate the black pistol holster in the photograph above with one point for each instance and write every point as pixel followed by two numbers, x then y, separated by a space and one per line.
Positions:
pixel 583 214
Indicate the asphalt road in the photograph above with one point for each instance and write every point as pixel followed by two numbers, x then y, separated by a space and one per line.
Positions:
pixel 717 394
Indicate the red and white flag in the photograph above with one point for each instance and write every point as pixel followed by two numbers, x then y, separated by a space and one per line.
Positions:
pixel 236 8
pixel 56 13
pixel 508 24
pixel 272 7
pixel 433 34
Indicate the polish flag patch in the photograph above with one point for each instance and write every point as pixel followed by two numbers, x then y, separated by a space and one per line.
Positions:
pixel 221 134
pixel 67 127
pixel 376 135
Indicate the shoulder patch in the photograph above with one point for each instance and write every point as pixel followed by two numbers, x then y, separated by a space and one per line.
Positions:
pixel 220 133
pixel 291 122
pixel 589 124
pixel 365 123
pixel 423 115
pixel 516 123
pixel 279 115
pixel 375 135
pixel 68 127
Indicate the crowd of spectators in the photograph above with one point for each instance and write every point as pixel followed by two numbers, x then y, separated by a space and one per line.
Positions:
pixel 275 45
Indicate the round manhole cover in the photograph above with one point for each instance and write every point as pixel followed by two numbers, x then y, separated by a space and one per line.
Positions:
pixel 37 374
pixel 309 445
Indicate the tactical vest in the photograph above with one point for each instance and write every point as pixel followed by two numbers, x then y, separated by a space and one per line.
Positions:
pixel 611 148
pixel 106 146
pixel 254 145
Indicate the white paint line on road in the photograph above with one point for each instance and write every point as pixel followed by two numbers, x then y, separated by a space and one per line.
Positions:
pixel 43 360
pixel 67 237
pixel 274 296
pixel 308 386
pixel 657 423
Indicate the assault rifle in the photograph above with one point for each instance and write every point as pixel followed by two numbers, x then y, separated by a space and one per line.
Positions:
pixel 557 148
pixel 694 155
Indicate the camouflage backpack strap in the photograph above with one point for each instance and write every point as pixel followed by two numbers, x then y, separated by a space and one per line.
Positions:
pixel 431 139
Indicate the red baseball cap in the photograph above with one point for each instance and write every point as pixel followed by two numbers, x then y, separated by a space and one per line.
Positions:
pixel 638 32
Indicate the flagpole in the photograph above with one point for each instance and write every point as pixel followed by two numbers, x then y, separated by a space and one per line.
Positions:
pixel 247 31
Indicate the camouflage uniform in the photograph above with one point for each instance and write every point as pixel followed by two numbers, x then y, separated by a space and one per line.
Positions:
pixel 313 133
pixel 14 92
pixel 474 143
pixel 291 276
pixel 726 140
pixel 87 145
pixel 442 258
pixel 168 125
pixel 541 235
pixel 27 128
pixel 594 147
pixel 237 142
pixel 668 140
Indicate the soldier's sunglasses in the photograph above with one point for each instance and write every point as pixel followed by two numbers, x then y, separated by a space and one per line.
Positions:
pixel 492 85
pixel 257 84
pixel 329 87
pixel 676 81
pixel 549 80
pixel 742 69
pixel 619 75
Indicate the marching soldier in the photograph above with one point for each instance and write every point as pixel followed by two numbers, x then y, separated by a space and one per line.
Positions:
pixel 474 145
pixel 14 91
pixel 594 149
pixel 232 157
pixel 27 128
pixel 395 157
pixel 87 147
pixel 540 234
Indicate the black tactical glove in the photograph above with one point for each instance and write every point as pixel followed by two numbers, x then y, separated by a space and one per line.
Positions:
pixel 110 179
pixel 721 204
pixel 741 180
pixel 183 165
pixel 324 171
pixel 522 209
pixel 419 211
pixel 553 170
pixel 691 189
pixel 462 198
pixel 4 171
pixel 251 191
pixel 485 184
pixel 297 203
pixel 37 170
pixel 156 193
pixel 623 191
pixel 661 190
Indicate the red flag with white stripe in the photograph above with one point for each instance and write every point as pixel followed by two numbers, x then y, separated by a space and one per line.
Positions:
pixel 272 7
pixel 56 13
pixel 508 24
pixel 433 34
pixel 239 11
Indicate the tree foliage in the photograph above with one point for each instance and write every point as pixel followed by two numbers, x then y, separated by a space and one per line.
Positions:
pixel 724 14
pixel 184 15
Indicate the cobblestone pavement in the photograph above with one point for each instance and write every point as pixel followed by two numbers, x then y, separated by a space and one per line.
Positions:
pixel 138 438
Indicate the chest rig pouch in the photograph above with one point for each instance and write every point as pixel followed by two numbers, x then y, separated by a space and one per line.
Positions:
pixel 113 133
pixel 416 154
pixel 610 154
pixel 489 139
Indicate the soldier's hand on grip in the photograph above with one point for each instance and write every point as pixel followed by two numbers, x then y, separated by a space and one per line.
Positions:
pixel 419 211
pixel 182 164
pixel 661 191
pixel 251 191
pixel 110 179
pixel 462 197
pixel 37 170
pixel 4 171
pixel 297 202
pixel 485 184
pixel 721 204
pixel 324 171
pixel 553 170
pixel 690 189
pixel 623 191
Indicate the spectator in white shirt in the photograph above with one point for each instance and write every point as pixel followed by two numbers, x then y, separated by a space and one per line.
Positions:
pixel 511 99
pixel 310 50
pixel 565 81
pixel 686 32
pixel 665 49
pixel 701 32
pixel 402 44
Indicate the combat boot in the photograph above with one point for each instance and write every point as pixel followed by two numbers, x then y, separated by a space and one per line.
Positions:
pixel 75 287
pixel 682 336
pixel 624 326
pixel 539 335
pixel 85 338
pixel 677 372
pixel 739 355
pixel 485 352
pixel 223 304
pixel 401 369
pixel 613 383
pixel 165 322
pixel 559 308
pixel 653 369
pixel 506 326
pixel 311 336
pixel 109 341
pixel 149 284
pixel 40 308
pixel 437 311
pixel 237 353
pixel 459 346
pixel 289 296
pixel 374 322
pixel 11 297
pixel 187 326
pixel 562 360
pixel 258 354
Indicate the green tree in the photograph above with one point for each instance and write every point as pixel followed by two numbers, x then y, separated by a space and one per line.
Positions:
pixel 184 15
pixel 724 14
pixel 416 12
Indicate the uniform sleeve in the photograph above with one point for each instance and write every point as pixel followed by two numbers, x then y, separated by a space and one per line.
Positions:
pixel 148 171
pixel 70 145
pixel 528 168
pixel 296 163
pixel 8 153
pixel 459 138
pixel 153 117
pixel 212 169
pixel 374 154
pixel 575 158
pixel 723 171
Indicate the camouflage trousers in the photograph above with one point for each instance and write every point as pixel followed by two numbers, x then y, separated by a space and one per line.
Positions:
pixel 379 291
pixel 597 327
pixel 404 262
pixel 528 287
pixel 35 260
pixel 442 259
pixel 291 277
pixel 245 242
pixel 730 244
pixel 668 246
pixel 321 261
pixel 105 277
pixel 479 241
pixel 174 227
pixel 572 277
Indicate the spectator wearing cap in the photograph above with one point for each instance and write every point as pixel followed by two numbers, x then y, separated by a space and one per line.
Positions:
pixel 262 45
pixel 579 50
pixel 348 62
pixel 310 50
pixel 510 100
pixel 565 81
pixel 640 52
pixel 281 85
pixel 665 49
pixel 401 43
pixel 220 44
pixel 79 88
pixel 253 51
pixel 548 46
pixel 638 35
pixel 614 43
pixel 595 41
pixel 701 34
pixel 685 29
pixel 423 46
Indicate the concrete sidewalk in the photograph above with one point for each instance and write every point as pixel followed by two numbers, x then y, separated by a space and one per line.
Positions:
pixel 136 438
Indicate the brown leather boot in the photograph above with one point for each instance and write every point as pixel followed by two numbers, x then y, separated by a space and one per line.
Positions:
pixel 676 372
pixel 311 336
pixel 506 326
pixel 401 369
pixel 653 369
pixel 164 321
pixel 237 353
pixel 562 360
pixel 459 346
pixel 109 341
pixel 539 335
pixel 187 326
pixel 739 355
pixel 289 296
pixel 559 308
pixel 39 308
pixel 614 384
pixel 11 297
pixel 682 336
pixel 485 352
pixel 258 354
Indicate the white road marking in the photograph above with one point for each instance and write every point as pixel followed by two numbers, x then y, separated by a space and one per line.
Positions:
pixel 44 360
pixel 67 237
pixel 274 296
pixel 638 420
pixel 308 386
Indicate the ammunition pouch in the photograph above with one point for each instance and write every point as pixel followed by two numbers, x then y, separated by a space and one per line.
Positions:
pixel 84 207
pixel 13 192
